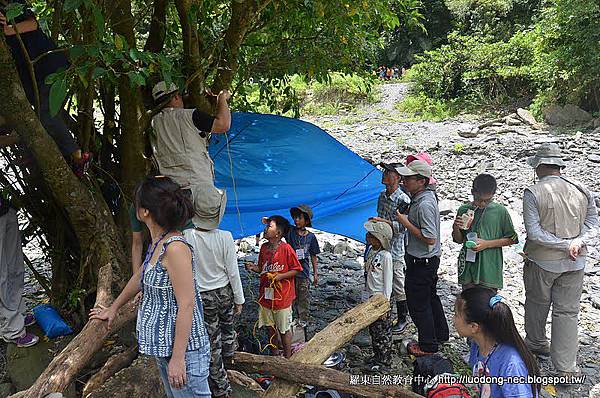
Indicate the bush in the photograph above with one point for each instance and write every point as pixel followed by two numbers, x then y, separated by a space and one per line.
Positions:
pixel 476 70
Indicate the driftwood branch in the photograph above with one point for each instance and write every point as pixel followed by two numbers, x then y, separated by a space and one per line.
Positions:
pixel 316 375
pixel 112 366
pixel 334 336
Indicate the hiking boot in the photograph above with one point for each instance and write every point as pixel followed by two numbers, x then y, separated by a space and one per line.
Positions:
pixel 400 326
pixel 29 320
pixel 541 352
pixel 27 340
pixel 415 350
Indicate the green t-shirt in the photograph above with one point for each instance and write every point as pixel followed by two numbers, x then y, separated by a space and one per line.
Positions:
pixel 138 226
pixel 487 268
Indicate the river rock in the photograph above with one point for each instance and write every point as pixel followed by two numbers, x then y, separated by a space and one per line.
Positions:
pixel 527 117
pixel 568 115
pixel 447 206
pixel 594 158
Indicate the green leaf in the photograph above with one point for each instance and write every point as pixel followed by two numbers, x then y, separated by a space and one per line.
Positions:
pixel 98 72
pixel 77 51
pixel 14 10
pixel 71 5
pixel 99 19
pixel 58 92
pixel 119 42
pixel 136 79
pixel 134 54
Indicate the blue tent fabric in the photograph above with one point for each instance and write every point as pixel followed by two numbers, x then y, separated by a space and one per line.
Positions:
pixel 278 163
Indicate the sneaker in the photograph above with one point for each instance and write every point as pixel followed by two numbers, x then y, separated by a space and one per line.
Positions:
pixel 27 340
pixel 29 320
pixel 400 326
pixel 415 350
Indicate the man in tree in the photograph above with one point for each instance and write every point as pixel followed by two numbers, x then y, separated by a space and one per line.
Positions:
pixel 12 272
pixel 180 144
pixel 37 45
pixel 560 218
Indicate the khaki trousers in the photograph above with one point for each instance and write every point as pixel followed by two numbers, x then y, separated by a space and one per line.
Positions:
pixel 563 292
pixel 398 292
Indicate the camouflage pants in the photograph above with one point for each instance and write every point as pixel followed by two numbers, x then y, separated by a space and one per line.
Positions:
pixel 381 338
pixel 218 319
pixel 302 301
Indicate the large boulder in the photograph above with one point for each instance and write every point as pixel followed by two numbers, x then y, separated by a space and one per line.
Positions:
pixel 568 115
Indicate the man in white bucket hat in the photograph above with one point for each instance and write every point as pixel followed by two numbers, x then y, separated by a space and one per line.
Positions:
pixel 560 219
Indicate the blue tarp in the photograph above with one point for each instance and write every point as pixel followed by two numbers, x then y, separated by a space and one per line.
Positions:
pixel 278 162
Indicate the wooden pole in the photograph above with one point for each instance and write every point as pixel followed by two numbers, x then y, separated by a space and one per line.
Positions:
pixel 328 340
pixel 318 375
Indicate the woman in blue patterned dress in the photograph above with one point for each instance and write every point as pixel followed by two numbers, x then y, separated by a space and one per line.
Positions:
pixel 170 322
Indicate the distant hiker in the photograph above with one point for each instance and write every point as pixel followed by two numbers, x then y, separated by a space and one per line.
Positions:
pixel 423 251
pixel 561 219
pixel 497 349
pixel 483 263
pixel 170 323
pixel 392 199
pixel 220 286
pixel 180 144
pixel 380 275
pixel 278 267
pixel 37 43
pixel 306 246
pixel 12 273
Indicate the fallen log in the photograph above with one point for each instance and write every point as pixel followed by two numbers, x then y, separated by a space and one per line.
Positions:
pixel 328 340
pixel 318 375
pixel 113 365
pixel 66 365
pixel 241 379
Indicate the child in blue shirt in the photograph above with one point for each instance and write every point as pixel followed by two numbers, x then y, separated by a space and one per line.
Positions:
pixel 497 349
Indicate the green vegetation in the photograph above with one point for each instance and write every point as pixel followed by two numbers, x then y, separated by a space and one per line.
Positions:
pixel 299 95
pixel 501 51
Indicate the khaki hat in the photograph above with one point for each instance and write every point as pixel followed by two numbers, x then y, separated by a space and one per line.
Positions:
pixel 382 231
pixel 209 205
pixel 160 90
pixel 416 167
pixel 303 209
pixel 548 153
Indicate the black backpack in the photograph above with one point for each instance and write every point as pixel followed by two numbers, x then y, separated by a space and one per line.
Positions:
pixel 426 367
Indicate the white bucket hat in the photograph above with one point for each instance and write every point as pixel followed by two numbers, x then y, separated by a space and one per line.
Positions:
pixel 382 231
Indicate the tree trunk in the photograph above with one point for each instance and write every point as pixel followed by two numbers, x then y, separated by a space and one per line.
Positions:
pixel 334 336
pixel 243 14
pixel 158 28
pixel 317 375
pixel 87 212
pixel 112 366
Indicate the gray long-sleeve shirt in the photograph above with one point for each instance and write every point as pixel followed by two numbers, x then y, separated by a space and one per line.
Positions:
pixel 536 233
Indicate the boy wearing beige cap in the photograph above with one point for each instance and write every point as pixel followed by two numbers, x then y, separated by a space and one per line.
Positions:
pixel 380 274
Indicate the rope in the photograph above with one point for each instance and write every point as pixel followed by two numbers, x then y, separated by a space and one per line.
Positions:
pixel 235 195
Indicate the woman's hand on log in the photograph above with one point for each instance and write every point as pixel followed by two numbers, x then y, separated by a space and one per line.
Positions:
pixel 176 372
pixel 103 314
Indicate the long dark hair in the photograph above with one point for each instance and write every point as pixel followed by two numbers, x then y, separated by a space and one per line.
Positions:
pixel 169 205
pixel 497 322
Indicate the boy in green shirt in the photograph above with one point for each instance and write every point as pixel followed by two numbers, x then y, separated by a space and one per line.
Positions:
pixel 482 264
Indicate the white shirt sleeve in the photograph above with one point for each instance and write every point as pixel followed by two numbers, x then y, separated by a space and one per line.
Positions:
pixel 233 272
pixel 388 274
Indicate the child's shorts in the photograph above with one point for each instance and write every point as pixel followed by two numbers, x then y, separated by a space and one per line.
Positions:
pixel 280 319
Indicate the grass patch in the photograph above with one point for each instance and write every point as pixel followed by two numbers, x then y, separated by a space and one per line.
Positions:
pixel 420 107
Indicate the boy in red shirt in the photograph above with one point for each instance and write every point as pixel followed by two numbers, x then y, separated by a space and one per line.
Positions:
pixel 278 266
